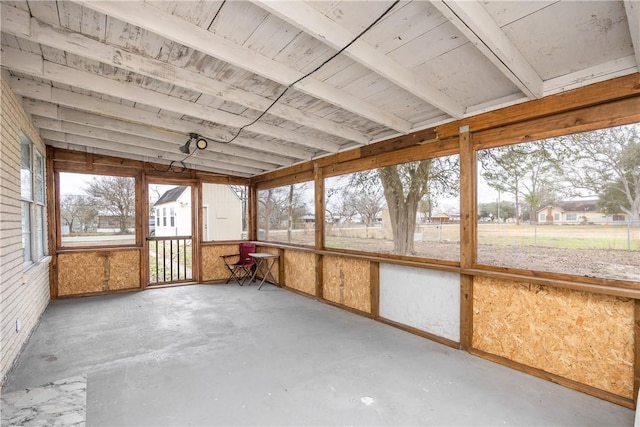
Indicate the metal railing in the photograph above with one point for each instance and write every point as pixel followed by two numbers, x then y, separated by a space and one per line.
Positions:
pixel 170 259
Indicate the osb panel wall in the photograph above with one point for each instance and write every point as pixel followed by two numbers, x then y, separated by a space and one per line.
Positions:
pixel 300 271
pixel 213 267
pixel 584 337
pixel 347 282
pixel 89 272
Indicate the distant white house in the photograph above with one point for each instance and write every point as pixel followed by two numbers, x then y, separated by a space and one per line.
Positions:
pixel 173 213
pixel 575 212
pixel 221 213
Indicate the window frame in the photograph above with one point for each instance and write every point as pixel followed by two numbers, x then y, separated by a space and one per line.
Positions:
pixel 33 203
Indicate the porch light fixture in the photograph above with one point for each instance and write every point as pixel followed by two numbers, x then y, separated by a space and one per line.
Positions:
pixel 201 143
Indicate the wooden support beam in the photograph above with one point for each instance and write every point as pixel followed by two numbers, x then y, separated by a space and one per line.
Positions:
pixel 136 142
pixel 472 20
pixel 153 19
pixel 24 62
pixel 78 44
pixel 149 154
pixel 466 312
pixel 595 94
pixel 468 236
pixel 321 27
pixel 374 283
pixel 319 277
pixel 121 118
pixel 53 237
pixel 318 181
pixel 253 212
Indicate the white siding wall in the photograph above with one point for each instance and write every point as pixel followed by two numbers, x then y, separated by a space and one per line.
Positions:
pixel 224 212
pixel 24 295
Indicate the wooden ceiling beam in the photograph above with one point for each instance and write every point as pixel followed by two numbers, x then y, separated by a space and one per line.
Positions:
pixel 61 38
pixel 114 159
pixel 632 9
pixel 24 62
pixel 124 150
pixel 99 132
pixel 314 23
pixel 471 19
pixel 135 130
pixel 273 152
pixel 144 15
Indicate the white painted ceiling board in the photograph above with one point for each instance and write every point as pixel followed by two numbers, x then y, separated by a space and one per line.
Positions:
pixel 505 12
pixel 428 46
pixel 468 85
pixel 572 33
pixel 237 20
pixel 404 24
pixel 355 16
pixel 200 13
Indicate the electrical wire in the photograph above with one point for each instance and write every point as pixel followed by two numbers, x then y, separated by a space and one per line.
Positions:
pixel 325 62
pixel 363 32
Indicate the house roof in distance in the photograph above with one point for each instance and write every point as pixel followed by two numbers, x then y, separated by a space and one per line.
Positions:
pixel 576 205
pixel 171 195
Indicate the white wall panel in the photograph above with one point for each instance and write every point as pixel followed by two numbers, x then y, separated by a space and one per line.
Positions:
pixel 428 300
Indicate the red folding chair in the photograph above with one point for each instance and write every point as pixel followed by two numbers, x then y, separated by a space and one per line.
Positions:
pixel 242 269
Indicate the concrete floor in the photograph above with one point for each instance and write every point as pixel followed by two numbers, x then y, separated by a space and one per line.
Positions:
pixel 230 355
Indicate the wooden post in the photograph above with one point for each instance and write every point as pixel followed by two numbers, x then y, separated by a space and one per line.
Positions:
pixel 253 213
pixel 319 277
pixel 374 283
pixel 468 208
pixel 318 180
pixel 52 222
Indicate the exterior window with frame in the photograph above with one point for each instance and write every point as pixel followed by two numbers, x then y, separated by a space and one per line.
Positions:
pixel 287 214
pixel 97 210
pixel 409 209
pixel 172 217
pixel 568 204
pixel 33 207
pixel 225 212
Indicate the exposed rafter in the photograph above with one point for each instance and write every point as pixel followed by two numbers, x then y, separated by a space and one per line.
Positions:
pixel 271 152
pixel 99 132
pixel 472 20
pixel 149 153
pixel 60 38
pixel 309 20
pixel 34 65
pixel 632 8
pixel 173 28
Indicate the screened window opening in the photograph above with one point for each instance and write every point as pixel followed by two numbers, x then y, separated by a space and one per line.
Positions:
pixel 569 204
pixel 407 209
pixel 287 214
pixel 97 210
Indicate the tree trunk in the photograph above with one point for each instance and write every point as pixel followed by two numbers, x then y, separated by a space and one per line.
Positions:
pixel 403 209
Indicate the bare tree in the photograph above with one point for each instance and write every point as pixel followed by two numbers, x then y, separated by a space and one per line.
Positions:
pixel 115 196
pixel 280 205
pixel 528 171
pixel 364 195
pixel 77 208
pixel 607 162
